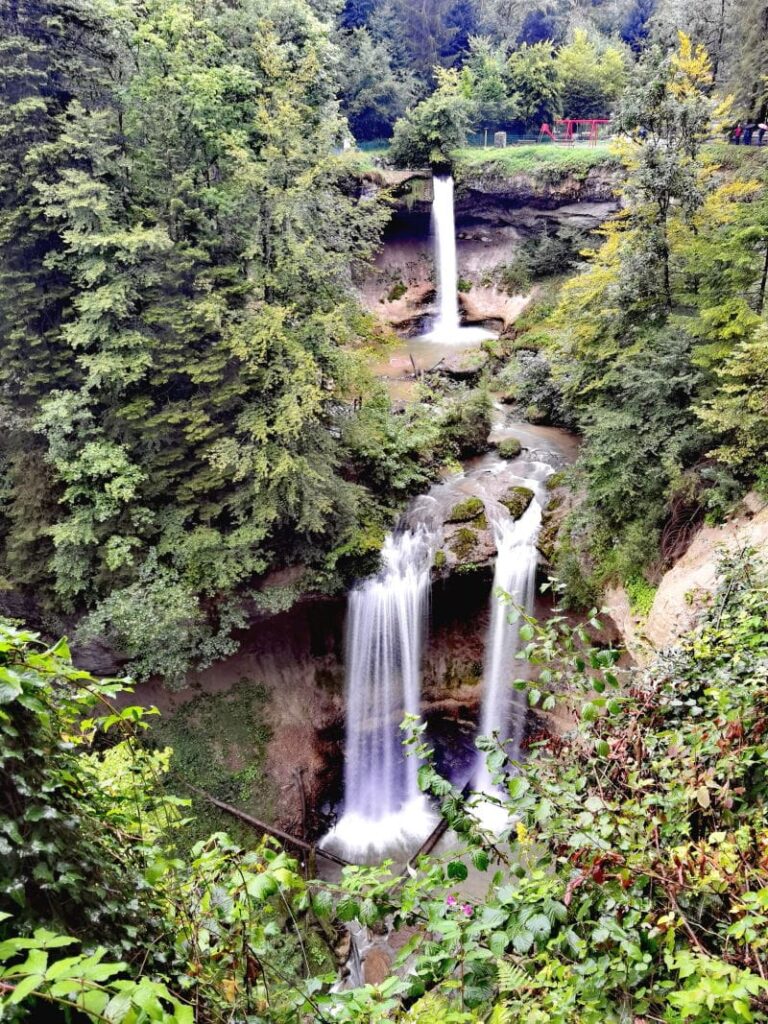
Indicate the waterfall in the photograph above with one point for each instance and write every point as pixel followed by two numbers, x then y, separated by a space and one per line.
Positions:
pixel 446 327
pixel 504 708
pixel 386 624
pixel 447 324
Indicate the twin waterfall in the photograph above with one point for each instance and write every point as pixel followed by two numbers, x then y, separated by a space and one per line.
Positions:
pixel 384 812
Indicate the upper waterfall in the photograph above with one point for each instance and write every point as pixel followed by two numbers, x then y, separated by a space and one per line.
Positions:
pixel 447 324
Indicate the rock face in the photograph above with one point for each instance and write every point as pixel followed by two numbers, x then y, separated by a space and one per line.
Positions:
pixel 496 214
pixel 688 586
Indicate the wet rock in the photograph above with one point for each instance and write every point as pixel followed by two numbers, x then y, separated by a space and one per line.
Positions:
pixel 517 500
pixel 464 543
pixel 343 947
pixel 551 521
pixel 377 966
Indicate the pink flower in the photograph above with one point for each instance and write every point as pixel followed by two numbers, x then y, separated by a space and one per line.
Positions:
pixel 451 901
pixel 467 909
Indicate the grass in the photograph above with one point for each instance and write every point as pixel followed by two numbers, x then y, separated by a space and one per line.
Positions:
pixel 537 159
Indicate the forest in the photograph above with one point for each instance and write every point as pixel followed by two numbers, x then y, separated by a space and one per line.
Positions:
pixel 364 441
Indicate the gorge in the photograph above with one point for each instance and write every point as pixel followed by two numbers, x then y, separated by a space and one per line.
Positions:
pixel 394 651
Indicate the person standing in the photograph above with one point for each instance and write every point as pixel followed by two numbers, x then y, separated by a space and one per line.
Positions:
pixel 762 128
pixel 737 135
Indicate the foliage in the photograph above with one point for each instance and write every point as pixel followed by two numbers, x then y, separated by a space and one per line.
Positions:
pixel 629 878
pixel 177 249
pixel 591 77
pixel 432 130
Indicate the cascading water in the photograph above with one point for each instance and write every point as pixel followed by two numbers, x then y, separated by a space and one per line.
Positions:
pixel 504 709
pixel 387 617
pixel 447 324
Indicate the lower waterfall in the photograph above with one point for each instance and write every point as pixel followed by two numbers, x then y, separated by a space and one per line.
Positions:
pixel 386 626
pixel 504 708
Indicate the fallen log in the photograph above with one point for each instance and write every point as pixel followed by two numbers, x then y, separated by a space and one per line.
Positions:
pixel 311 848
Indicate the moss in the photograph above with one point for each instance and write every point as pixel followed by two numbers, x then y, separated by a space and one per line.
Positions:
pixel 510 448
pixel 461 673
pixel 466 511
pixel 440 559
pixel 397 291
pixel 463 285
pixel 464 543
pixel 219 744
pixel 555 481
pixel 517 500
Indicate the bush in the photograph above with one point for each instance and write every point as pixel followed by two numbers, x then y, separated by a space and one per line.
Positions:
pixel 466 424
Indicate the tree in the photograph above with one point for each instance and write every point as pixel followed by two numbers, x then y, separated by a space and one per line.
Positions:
pixel 430 132
pixel 485 72
pixel 534 84
pixel 191 371
pixel 372 94
pixel 591 77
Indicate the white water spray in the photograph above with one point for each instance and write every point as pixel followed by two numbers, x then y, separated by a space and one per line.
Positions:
pixel 387 617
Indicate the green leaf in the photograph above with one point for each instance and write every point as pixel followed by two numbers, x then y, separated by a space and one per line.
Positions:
pixel 457 871
pixel 25 987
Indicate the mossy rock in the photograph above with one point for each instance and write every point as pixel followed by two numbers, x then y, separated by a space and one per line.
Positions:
pixel 463 544
pixel 536 415
pixel 510 448
pixel 517 500
pixel 549 534
pixel 555 481
pixel 466 511
pixel 440 559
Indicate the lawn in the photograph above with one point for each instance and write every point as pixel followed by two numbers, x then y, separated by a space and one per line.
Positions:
pixel 535 157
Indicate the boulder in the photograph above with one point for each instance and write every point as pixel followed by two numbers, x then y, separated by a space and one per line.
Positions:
pixel 516 500
pixel 465 365
pixel 465 511
pixel 509 448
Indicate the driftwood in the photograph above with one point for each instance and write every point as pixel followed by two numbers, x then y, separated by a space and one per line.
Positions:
pixel 271 830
